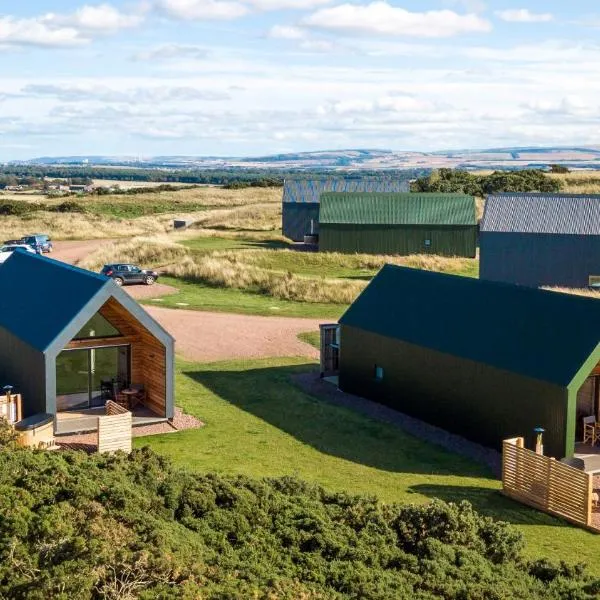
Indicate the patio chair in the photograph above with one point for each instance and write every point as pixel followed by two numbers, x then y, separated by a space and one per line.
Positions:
pixel 591 430
pixel 139 397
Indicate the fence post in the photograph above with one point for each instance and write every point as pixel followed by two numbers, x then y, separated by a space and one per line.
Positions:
pixel 589 497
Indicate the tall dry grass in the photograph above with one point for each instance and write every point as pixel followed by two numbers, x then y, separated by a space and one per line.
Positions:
pixel 330 260
pixel 223 272
pixel 574 291
pixel 154 251
pixel 255 217
pixel 204 196
pixel 579 182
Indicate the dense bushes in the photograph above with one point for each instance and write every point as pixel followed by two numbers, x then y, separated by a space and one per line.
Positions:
pixel 82 527
pixel 451 181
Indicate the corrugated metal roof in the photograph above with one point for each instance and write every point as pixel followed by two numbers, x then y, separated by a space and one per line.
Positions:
pixel 40 296
pixel 536 333
pixel 309 190
pixel 397 209
pixel 542 213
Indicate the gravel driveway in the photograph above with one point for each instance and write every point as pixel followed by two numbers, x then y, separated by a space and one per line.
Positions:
pixel 209 336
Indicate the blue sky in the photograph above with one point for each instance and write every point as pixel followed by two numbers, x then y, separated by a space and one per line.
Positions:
pixel 251 77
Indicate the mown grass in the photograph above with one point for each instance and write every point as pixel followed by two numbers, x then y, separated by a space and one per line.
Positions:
pixel 196 296
pixel 311 337
pixel 258 423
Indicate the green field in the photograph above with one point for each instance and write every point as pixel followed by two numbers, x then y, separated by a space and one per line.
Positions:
pixel 196 296
pixel 257 422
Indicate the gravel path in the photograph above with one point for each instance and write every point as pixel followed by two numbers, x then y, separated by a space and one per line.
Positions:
pixel 143 292
pixel 208 336
pixel 315 386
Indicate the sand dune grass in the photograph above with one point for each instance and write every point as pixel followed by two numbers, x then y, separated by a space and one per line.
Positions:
pixel 255 217
pixel 145 251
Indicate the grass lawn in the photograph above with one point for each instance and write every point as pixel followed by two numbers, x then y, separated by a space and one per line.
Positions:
pixel 259 424
pixel 206 244
pixel 311 337
pixel 197 296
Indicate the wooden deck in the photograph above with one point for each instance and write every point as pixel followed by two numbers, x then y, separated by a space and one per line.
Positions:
pixel 70 422
pixel 590 456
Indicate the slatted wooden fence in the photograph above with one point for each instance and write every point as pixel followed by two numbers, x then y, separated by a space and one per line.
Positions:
pixel 546 484
pixel 330 353
pixel 114 429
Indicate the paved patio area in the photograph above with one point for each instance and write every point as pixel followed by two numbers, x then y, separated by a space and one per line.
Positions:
pixel 88 441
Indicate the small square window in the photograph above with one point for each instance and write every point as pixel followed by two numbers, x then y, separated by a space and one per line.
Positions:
pixel 427 243
pixel 378 373
pixel 594 281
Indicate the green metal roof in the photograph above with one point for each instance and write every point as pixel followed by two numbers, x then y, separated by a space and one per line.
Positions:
pixel 397 209
pixel 536 333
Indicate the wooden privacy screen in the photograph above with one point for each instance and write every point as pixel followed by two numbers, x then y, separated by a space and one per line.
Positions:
pixel 114 429
pixel 546 484
pixel 330 353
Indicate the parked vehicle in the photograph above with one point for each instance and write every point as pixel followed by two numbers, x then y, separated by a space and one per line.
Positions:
pixel 123 274
pixel 12 242
pixel 40 242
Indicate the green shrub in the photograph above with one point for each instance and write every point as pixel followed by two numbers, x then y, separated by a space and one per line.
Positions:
pixel 91 527
pixel 69 206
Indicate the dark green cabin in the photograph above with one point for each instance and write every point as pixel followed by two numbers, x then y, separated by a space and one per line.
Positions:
pixel 398 223
pixel 481 359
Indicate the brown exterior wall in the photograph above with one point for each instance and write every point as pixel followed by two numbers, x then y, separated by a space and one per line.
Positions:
pixel 479 402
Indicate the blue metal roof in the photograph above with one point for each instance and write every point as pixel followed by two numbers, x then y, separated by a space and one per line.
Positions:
pixel 567 214
pixel 536 333
pixel 40 297
pixel 309 190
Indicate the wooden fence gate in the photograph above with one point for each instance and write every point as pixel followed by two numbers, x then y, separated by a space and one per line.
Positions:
pixel 330 349
pixel 546 484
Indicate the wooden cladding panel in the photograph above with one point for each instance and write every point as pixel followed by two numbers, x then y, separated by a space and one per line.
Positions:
pixel 546 484
pixel 114 432
pixel 148 355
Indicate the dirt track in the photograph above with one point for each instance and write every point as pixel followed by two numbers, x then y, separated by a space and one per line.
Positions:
pixel 209 336
pixel 73 251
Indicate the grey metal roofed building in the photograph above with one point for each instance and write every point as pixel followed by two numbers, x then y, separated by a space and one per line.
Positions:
pixel 541 239
pixel 301 197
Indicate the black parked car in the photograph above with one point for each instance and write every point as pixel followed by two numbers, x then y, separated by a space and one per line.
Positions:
pixel 124 274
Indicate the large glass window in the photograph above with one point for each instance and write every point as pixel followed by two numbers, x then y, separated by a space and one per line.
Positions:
pixel 97 327
pixel 83 376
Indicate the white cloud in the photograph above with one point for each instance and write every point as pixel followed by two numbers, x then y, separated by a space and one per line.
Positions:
pixel 523 15
pixel 287 4
pixel 100 18
pixel 36 32
pixel 384 19
pixel 286 32
pixel 203 9
pixel 136 95
pixel 62 30
pixel 172 52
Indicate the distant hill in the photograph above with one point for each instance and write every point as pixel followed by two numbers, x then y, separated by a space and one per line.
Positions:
pixel 359 159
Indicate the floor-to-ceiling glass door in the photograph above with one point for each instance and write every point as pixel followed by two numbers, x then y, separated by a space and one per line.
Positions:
pixel 80 375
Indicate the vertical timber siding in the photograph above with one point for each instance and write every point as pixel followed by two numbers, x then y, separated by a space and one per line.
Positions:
pixel 399 239
pixel 536 260
pixel 482 403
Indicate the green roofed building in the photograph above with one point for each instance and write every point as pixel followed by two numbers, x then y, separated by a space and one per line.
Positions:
pixel 398 223
pixel 481 359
